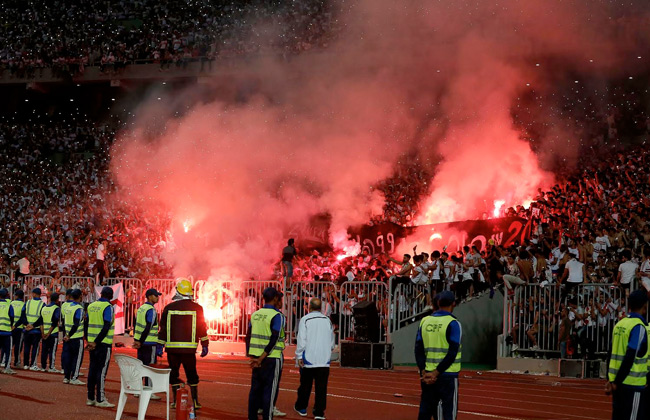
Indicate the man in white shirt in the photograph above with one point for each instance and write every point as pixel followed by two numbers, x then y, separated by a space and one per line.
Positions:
pixel 627 271
pixel 23 268
pixel 315 343
pixel 574 274
pixel 100 265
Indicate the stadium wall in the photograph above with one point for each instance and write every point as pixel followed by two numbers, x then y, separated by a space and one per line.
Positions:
pixel 482 322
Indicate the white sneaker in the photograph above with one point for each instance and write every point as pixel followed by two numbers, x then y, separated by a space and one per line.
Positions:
pixel 534 348
pixel 90 402
pixel 76 382
pixel 278 413
pixel 319 418
pixel 9 371
pixel 36 369
pixel 26 367
pixel 66 380
pixel 104 404
pixel 515 347
pixel 155 397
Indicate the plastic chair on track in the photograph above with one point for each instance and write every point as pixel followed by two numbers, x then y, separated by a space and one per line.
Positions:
pixel 132 375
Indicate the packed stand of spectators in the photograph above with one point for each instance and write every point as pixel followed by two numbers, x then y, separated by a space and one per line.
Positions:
pixel 69 35
pixel 403 192
pixel 56 215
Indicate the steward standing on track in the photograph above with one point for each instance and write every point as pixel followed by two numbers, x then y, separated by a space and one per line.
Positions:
pixel 17 333
pixel 628 363
pixel 145 337
pixel 99 327
pixel 264 345
pixel 51 316
pixel 438 354
pixel 33 320
pixel 182 326
pixel 7 320
pixel 72 313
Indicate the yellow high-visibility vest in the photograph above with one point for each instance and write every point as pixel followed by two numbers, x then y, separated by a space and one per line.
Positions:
pixel 96 322
pixel 18 306
pixel 5 321
pixel 48 313
pixel 68 320
pixel 141 323
pixel 620 340
pixel 33 310
pixel 436 346
pixel 261 333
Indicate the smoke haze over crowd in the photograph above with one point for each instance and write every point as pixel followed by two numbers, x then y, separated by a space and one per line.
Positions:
pixel 284 140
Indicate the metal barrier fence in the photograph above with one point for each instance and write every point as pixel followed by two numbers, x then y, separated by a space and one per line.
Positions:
pixel 165 286
pixel 229 305
pixel 355 292
pixel 29 283
pixel 533 317
pixel 408 303
pixel 85 284
pixel 133 298
pixel 297 303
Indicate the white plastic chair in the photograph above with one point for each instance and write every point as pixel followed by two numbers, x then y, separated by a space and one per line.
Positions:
pixel 132 374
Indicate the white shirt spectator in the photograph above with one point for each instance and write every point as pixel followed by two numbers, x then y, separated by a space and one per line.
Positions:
pixel 628 271
pixel 557 256
pixel 575 268
pixel 315 340
pixel 23 265
pixel 603 242
pixel 420 276
pixel 101 252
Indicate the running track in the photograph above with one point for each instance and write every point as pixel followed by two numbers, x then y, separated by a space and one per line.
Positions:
pixel 352 395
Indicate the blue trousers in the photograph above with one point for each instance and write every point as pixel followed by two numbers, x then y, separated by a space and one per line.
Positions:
pixel 439 400
pixel 32 341
pixel 265 383
pixel 5 350
pixel 18 338
pixel 628 403
pixel 99 360
pixel 71 357
pixel 49 351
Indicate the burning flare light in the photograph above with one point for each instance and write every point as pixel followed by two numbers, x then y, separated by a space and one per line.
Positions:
pixel 498 204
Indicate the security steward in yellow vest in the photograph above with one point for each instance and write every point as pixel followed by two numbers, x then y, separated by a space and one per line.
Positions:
pixel 438 354
pixel 7 320
pixel 99 327
pixel 51 314
pixel 264 345
pixel 182 326
pixel 33 320
pixel 628 363
pixel 72 313
pixel 17 336
pixel 145 337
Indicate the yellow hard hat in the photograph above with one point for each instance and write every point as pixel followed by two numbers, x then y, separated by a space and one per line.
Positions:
pixel 184 287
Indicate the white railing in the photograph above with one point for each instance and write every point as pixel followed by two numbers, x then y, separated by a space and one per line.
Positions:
pixel 533 317
pixel 354 292
pixel 297 303
pixel 229 305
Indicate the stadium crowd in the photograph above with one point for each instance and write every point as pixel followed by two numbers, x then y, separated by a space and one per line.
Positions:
pixel 69 35
pixel 58 213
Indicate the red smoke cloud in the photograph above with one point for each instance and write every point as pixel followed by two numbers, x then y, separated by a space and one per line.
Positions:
pixel 438 79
